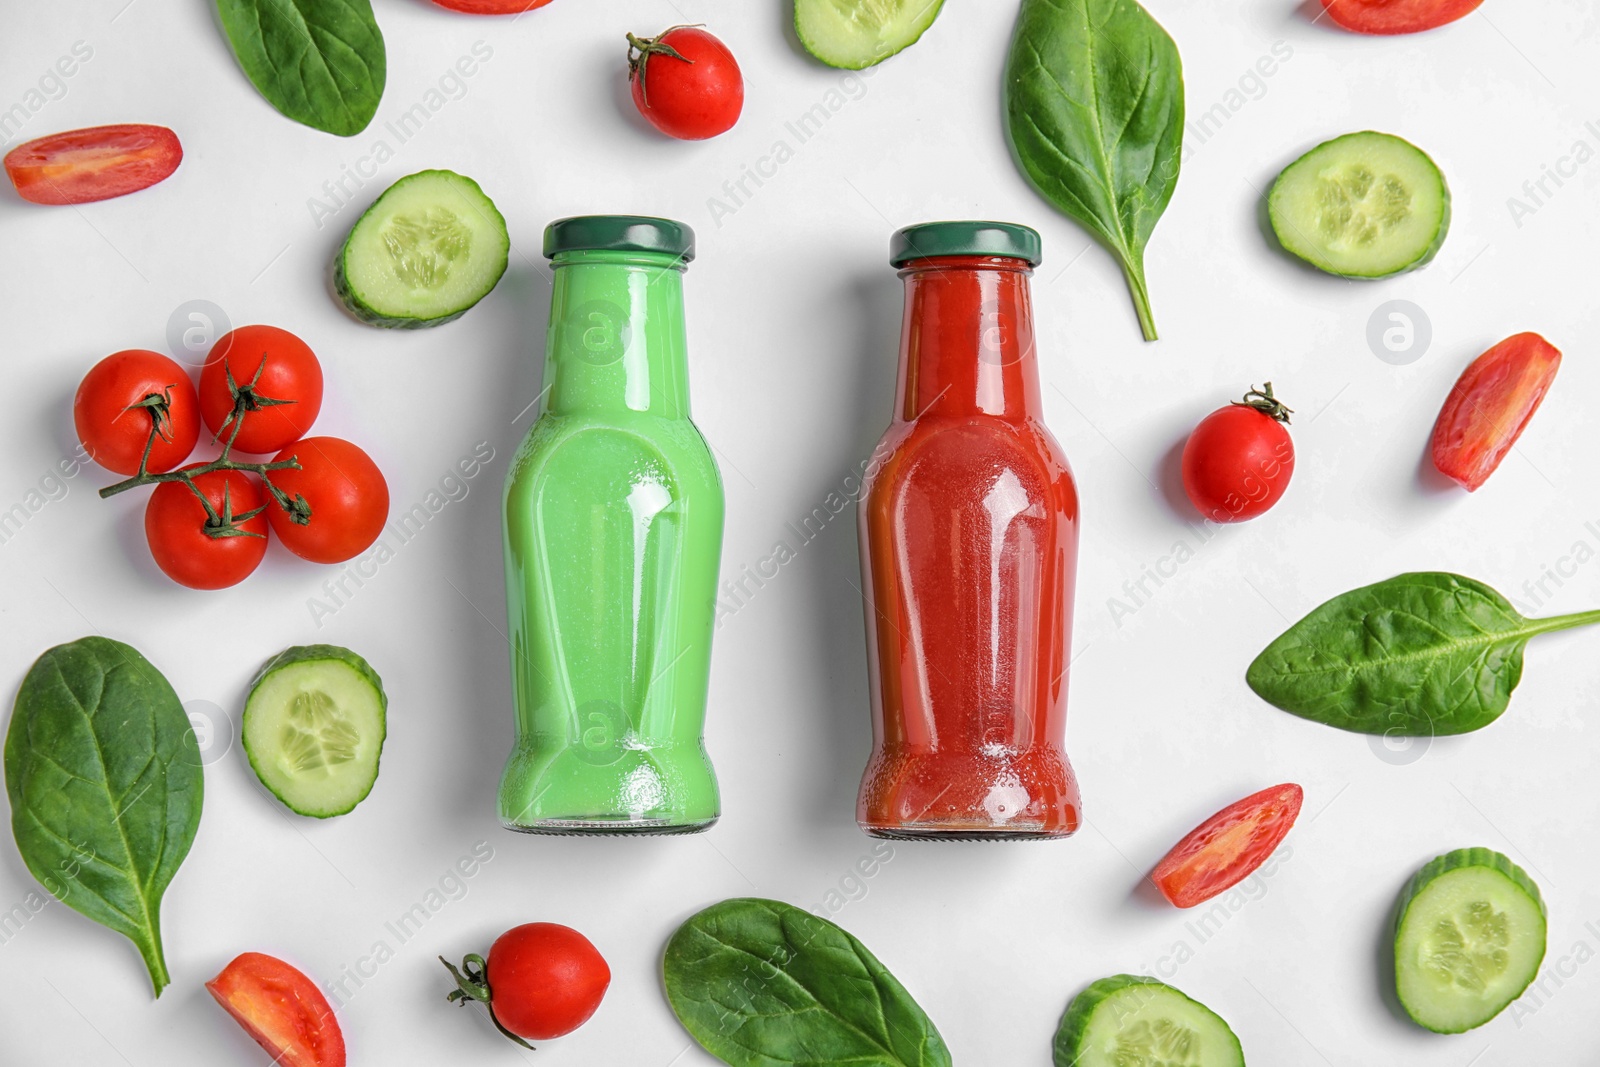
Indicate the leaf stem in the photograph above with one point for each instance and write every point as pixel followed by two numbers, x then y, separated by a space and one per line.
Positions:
pixel 1141 300
pixel 1568 622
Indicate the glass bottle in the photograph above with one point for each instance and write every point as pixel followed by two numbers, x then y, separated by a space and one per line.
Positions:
pixel 969 544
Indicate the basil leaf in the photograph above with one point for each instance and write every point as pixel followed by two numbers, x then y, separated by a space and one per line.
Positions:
pixel 104 776
pixel 760 983
pixel 1416 656
pixel 320 62
pixel 1094 109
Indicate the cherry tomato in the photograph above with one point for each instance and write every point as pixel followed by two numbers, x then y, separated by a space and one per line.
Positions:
pixel 191 548
pixel 345 493
pixel 281 1009
pixel 685 82
pixel 1490 407
pixel 1397 16
pixel 80 166
pixel 291 374
pixel 1238 461
pixel 491 7
pixel 542 980
pixel 1227 848
pixel 122 398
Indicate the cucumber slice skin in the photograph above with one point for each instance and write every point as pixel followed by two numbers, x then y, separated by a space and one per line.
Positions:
pixel 818 25
pixel 347 289
pixel 1078 1038
pixel 1293 239
pixel 314 654
pixel 1474 860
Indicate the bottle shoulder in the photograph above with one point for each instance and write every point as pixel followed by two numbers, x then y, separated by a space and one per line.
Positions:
pixel 569 445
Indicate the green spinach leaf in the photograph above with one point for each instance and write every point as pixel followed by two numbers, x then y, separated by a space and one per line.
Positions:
pixel 760 983
pixel 104 776
pixel 1416 656
pixel 320 62
pixel 1094 109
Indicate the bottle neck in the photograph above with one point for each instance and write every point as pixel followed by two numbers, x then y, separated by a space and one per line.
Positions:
pixel 966 345
pixel 617 340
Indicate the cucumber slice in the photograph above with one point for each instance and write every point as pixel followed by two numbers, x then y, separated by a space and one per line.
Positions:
pixel 427 250
pixel 1468 940
pixel 1365 205
pixel 1133 1021
pixel 314 725
pixel 854 34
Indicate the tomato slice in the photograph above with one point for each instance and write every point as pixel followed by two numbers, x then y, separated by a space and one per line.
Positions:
pixel 1490 407
pixel 81 166
pixel 491 7
pixel 282 1009
pixel 1225 849
pixel 1397 16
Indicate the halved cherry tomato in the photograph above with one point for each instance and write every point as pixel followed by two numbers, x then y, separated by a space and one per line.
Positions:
pixel 1225 849
pixel 80 166
pixel 345 493
pixel 292 377
pixel 281 1009
pixel 191 548
pixel 491 7
pixel 122 398
pixel 1397 16
pixel 1490 407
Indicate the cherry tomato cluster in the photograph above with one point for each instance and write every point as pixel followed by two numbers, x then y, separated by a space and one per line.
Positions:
pixel 139 414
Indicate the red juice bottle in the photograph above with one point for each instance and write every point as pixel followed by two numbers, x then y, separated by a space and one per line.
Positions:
pixel 969 549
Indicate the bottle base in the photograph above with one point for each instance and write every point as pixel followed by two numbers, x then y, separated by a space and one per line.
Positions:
pixel 619 827
pixel 952 833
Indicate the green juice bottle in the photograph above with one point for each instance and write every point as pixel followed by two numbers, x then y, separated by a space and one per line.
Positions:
pixel 613 533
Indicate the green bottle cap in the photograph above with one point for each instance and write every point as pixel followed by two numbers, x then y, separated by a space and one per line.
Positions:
pixel 620 233
pixel 930 239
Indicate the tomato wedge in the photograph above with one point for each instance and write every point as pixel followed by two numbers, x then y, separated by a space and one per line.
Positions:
pixel 1397 16
pixel 282 1009
pixel 491 7
pixel 1490 407
pixel 1225 849
pixel 81 166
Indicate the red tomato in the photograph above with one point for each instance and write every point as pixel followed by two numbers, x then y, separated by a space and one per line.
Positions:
pixel 281 1009
pixel 491 7
pixel 291 374
pixel 346 494
pixel 189 547
pixel 1397 16
pixel 1490 407
pixel 1227 848
pixel 542 980
pixel 80 166
pixel 685 82
pixel 1240 458
pixel 114 428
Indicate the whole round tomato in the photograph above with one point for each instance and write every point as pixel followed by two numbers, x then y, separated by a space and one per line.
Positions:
pixel 288 374
pixel 542 980
pixel 491 7
pixel 195 550
pixel 685 82
pixel 122 398
pixel 341 500
pixel 1238 461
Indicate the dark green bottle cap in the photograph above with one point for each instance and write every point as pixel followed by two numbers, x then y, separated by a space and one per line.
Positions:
pixel 620 233
pixel 930 239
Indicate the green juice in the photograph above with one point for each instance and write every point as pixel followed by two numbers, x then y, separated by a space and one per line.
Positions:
pixel 613 534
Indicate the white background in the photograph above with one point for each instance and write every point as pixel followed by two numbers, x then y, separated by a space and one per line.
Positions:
pixel 793 321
